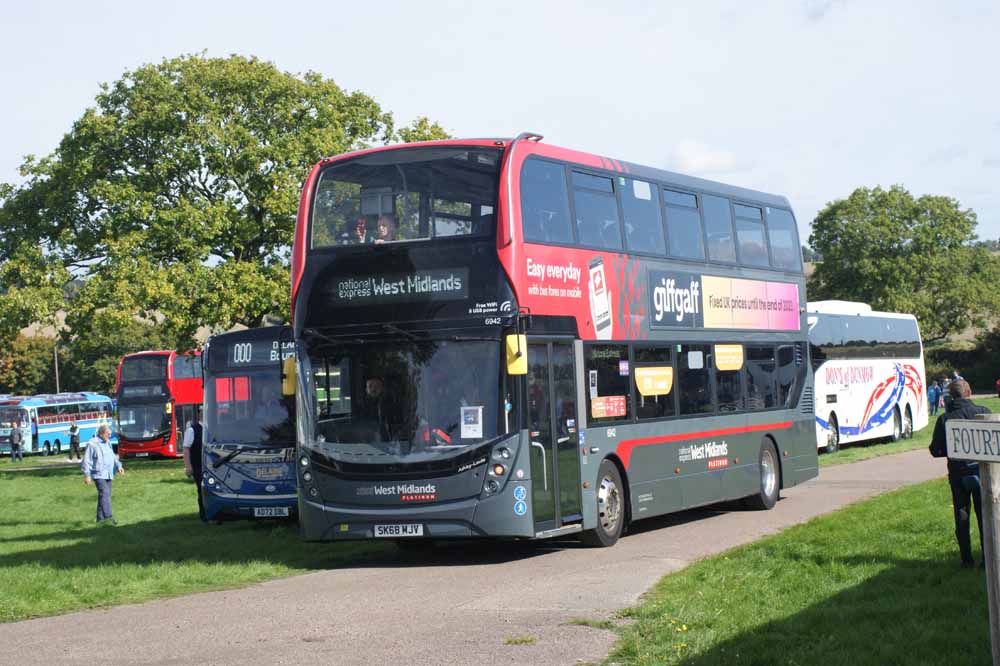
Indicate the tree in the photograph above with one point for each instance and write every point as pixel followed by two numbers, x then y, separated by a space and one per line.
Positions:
pixel 173 200
pixel 27 366
pixel 94 352
pixel 905 254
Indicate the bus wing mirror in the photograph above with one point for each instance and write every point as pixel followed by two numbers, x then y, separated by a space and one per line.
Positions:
pixel 288 376
pixel 517 354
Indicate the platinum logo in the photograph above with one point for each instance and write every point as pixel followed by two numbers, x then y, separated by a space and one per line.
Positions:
pixel 679 300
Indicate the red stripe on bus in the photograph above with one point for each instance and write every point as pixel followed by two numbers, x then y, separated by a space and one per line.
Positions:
pixel 626 446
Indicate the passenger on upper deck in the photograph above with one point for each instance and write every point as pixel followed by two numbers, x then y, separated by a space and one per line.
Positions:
pixel 361 236
pixel 385 229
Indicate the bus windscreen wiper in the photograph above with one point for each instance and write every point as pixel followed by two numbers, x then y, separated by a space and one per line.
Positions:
pixel 230 456
pixel 396 329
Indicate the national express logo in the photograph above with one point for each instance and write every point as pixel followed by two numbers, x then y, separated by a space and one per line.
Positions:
pixel 676 300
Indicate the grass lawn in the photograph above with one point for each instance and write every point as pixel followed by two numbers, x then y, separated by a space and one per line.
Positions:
pixel 875 448
pixel 877 583
pixel 35 461
pixel 54 559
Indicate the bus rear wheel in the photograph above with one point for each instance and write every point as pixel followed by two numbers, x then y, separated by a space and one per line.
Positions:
pixel 908 424
pixel 770 482
pixel 610 508
pixel 897 425
pixel 833 439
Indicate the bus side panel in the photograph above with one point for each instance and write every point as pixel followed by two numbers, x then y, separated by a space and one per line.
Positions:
pixel 863 393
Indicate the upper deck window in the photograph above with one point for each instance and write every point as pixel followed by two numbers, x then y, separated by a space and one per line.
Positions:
pixel 684 225
pixel 545 203
pixel 187 367
pixel 750 236
pixel 643 227
pixel 719 229
pixel 784 239
pixel 144 367
pixel 407 194
pixel 597 223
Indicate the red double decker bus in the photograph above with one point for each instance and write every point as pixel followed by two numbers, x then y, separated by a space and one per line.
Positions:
pixel 157 393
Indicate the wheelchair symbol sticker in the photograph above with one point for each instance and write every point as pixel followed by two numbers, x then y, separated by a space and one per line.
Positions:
pixel 520 508
pixel 520 493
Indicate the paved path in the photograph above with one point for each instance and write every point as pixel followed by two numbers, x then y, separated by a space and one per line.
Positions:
pixel 455 605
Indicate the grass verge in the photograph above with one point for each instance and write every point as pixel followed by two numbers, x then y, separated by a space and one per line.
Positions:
pixel 54 559
pixel 875 583
pixel 876 448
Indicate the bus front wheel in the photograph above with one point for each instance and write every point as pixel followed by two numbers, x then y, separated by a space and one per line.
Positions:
pixel 770 482
pixel 908 424
pixel 610 508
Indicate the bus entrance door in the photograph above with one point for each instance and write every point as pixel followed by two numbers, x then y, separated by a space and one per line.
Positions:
pixel 555 461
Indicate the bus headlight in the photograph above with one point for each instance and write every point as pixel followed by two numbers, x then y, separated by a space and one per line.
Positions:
pixel 211 480
pixel 313 492
pixel 492 486
pixel 304 461
pixel 307 476
pixel 498 470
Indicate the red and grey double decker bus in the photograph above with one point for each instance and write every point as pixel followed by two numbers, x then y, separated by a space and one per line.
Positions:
pixel 157 393
pixel 503 338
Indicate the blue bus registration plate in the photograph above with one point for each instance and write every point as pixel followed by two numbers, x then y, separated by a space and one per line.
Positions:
pixel 399 530
pixel 270 512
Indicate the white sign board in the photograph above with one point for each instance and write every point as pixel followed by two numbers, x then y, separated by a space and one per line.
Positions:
pixel 973 440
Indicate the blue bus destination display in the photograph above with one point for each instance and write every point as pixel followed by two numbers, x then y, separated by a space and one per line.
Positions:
pixel 258 352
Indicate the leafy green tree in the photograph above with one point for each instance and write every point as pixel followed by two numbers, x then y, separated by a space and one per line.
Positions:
pixel 27 365
pixel 421 129
pixel 901 253
pixel 173 200
pixel 95 350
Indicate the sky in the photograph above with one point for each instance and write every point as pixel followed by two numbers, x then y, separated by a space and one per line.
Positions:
pixel 806 98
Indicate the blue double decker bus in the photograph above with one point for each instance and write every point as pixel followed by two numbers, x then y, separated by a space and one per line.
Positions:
pixel 248 447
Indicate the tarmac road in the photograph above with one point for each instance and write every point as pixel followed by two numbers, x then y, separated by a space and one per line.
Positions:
pixel 460 604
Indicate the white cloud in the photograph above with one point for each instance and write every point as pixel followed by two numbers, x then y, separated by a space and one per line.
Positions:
pixel 697 158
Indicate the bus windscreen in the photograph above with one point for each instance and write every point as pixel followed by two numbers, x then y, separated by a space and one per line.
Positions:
pixel 413 194
pixel 405 400
pixel 144 367
pixel 247 408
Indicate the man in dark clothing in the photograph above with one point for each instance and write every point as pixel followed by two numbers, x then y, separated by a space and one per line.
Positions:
pixel 16 443
pixel 192 457
pixel 74 441
pixel 963 475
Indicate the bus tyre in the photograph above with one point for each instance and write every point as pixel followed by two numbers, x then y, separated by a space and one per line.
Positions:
pixel 908 424
pixel 770 483
pixel 48 448
pixel 833 439
pixel 897 425
pixel 610 508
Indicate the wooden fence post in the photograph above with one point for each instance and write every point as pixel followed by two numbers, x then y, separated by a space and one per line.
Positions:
pixel 989 474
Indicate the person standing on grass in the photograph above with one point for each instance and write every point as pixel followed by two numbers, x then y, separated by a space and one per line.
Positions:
pixel 99 466
pixel 963 475
pixel 74 441
pixel 192 457
pixel 16 443
pixel 933 393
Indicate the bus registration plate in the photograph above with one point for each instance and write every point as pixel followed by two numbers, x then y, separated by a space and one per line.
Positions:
pixel 270 512
pixel 399 530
